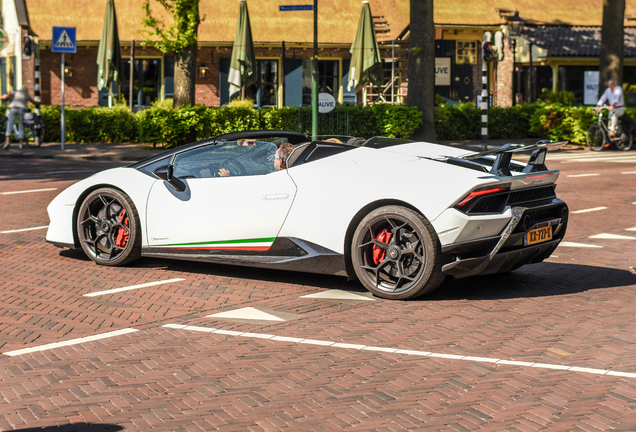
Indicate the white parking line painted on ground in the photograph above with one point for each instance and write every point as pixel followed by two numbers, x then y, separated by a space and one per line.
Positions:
pixel 630 229
pixel 116 290
pixel 629 172
pixel 23 229
pixel 398 351
pixel 338 295
pixel 582 175
pixel 70 342
pixel 606 236
pixel 579 245
pixel 589 210
pixel 247 313
pixel 27 191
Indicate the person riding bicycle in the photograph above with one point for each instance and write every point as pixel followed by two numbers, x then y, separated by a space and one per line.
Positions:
pixel 17 108
pixel 613 95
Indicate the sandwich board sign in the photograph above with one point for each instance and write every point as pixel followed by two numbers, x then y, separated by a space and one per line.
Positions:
pixel 64 40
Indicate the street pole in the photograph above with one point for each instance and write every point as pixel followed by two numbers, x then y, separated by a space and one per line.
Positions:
pixel 132 71
pixel 530 74
pixel 514 60
pixel 314 78
pixel 62 125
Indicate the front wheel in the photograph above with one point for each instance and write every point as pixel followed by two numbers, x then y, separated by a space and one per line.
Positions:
pixel 625 142
pixel 396 253
pixel 108 227
pixel 595 138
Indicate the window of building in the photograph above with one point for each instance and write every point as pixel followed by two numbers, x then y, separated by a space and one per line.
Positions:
pixel 146 82
pixel 265 91
pixel 466 52
pixel 328 79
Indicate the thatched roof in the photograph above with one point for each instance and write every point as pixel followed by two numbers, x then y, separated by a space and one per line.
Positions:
pixel 554 12
pixel 337 20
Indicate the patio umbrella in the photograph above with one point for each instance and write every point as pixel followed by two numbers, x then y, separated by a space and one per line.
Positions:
pixel 366 64
pixel 109 63
pixel 243 63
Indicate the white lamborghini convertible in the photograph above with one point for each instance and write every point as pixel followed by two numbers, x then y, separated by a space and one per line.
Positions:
pixel 397 215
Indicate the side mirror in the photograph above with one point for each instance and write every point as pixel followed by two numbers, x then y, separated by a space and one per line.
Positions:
pixel 165 173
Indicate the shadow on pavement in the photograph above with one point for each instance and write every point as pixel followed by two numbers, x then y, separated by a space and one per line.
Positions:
pixel 75 427
pixel 533 280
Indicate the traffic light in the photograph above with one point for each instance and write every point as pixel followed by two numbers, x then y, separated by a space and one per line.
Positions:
pixel 486 51
pixel 27 50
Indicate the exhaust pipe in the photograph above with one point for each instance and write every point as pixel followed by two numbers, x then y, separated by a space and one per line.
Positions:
pixel 527 221
pixel 564 214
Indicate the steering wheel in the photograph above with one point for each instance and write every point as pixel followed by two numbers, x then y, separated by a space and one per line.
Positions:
pixel 234 167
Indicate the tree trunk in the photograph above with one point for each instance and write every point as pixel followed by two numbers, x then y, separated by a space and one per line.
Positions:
pixel 185 76
pixel 612 36
pixel 421 90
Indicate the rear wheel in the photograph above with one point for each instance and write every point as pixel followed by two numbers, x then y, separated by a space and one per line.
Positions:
pixel 108 228
pixel 595 138
pixel 625 142
pixel 396 253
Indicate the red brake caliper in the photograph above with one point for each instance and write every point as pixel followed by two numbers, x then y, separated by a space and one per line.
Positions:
pixel 122 234
pixel 378 252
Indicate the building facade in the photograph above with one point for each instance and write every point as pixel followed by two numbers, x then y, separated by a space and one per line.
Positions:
pixel 563 37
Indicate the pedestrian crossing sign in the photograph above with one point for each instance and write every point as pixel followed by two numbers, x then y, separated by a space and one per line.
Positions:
pixel 63 40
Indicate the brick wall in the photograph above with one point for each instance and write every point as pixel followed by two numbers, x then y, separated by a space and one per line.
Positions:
pixel 503 87
pixel 81 87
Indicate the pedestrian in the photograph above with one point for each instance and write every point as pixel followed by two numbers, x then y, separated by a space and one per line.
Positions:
pixel 613 95
pixel 18 106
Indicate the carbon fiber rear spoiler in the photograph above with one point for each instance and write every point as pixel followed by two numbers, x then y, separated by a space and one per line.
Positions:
pixel 501 165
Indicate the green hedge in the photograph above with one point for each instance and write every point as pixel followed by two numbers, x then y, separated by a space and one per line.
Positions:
pixel 164 124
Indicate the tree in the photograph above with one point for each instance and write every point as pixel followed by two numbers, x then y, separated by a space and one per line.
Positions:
pixel 421 90
pixel 612 36
pixel 179 38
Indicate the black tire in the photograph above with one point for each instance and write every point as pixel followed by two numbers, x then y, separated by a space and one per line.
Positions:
pixel 412 260
pixel 595 138
pixel 37 134
pixel 103 215
pixel 627 145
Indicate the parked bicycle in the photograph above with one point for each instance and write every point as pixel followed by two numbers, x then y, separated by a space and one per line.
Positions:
pixel 598 134
pixel 33 127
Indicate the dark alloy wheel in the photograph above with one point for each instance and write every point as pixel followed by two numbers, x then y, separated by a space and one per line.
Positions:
pixel 396 253
pixel 595 138
pixel 108 228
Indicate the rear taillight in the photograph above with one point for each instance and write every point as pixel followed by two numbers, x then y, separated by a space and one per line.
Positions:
pixel 488 190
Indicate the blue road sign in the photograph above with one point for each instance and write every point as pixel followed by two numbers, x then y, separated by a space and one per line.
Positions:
pixel 295 8
pixel 64 40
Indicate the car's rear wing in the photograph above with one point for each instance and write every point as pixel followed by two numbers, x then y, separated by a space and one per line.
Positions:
pixel 503 157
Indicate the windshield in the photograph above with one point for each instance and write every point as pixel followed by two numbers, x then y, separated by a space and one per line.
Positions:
pixel 230 158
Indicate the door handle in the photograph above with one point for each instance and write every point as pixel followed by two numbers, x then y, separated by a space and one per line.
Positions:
pixel 272 197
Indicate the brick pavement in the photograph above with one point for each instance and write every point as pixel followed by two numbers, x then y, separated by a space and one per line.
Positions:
pixel 576 309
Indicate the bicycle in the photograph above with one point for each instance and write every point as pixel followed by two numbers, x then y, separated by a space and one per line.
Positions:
pixel 598 136
pixel 33 127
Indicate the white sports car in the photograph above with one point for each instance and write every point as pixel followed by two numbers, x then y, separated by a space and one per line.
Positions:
pixel 398 215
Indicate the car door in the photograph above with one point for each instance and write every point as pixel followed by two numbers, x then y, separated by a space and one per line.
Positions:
pixel 242 211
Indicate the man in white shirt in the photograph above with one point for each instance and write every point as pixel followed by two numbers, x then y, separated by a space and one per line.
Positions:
pixel 613 95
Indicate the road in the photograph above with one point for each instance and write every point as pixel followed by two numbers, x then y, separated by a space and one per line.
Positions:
pixel 170 345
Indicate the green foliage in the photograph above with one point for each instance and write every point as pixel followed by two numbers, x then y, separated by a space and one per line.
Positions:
pixel 100 124
pixel 561 123
pixel 565 98
pixel 397 121
pixel 510 123
pixel 241 103
pixel 180 34
pixel 51 116
pixel 457 122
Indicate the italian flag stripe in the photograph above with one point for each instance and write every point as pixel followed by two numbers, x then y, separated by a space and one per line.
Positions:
pixel 247 244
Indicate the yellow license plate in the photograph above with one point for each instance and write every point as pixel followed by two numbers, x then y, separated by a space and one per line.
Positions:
pixel 538 235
